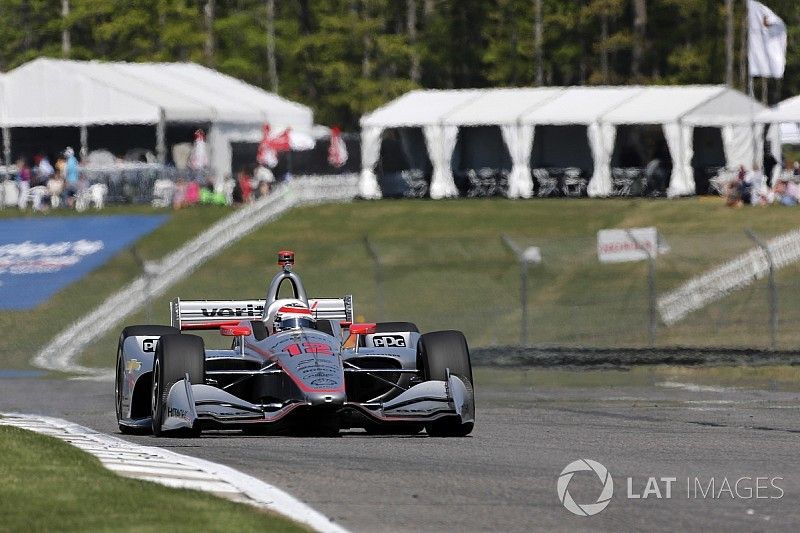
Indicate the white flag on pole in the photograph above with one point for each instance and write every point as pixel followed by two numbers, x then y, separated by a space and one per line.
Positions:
pixel 766 37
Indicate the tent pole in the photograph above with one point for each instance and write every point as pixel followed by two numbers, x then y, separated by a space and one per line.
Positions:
pixel 161 139
pixel 7 145
pixel 84 141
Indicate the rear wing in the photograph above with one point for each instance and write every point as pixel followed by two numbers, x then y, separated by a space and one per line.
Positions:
pixel 211 314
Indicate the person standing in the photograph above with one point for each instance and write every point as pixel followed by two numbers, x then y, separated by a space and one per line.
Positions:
pixel 71 174
pixel 23 182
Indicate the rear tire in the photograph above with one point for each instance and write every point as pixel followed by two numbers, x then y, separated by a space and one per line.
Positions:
pixel 176 356
pixel 133 331
pixel 438 352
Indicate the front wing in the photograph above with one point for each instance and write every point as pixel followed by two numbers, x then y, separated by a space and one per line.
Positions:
pixel 188 404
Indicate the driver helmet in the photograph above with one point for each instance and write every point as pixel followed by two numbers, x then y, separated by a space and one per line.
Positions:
pixel 288 314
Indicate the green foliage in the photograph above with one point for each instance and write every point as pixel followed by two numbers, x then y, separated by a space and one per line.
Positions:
pixel 345 57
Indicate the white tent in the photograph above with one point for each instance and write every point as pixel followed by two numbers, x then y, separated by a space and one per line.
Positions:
pixel 425 109
pixel 601 109
pixel 784 125
pixel 51 92
pixel 586 106
pixel 680 109
pixel 504 107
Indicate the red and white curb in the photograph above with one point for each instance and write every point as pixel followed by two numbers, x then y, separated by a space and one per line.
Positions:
pixel 172 469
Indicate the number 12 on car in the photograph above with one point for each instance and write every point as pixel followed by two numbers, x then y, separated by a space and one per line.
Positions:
pixel 319 348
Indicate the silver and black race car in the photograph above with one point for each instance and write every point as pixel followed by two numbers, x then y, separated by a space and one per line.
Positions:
pixel 297 365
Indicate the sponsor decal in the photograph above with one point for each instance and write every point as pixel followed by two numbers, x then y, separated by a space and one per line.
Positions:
pixel 39 257
pixel 249 310
pixel 149 345
pixel 389 341
pixel 133 365
pixel 178 413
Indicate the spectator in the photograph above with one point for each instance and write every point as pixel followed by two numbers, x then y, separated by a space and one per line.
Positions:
pixel 71 173
pixel 753 183
pixel 786 193
pixel 264 177
pixel 23 177
pixel 55 187
pixel 244 185
pixel 179 195
pixel 44 171
pixel 796 169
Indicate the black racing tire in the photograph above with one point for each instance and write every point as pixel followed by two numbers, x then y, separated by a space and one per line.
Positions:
pixel 395 327
pixel 438 352
pixel 133 331
pixel 176 355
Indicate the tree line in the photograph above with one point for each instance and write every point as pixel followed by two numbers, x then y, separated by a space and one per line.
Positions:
pixel 347 57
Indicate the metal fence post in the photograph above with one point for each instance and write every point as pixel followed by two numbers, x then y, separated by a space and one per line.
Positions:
pixel 652 322
pixel 378 272
pixel 773 290
pixel 525 260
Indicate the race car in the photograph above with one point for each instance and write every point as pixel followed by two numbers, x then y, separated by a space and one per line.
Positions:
pixel 298 365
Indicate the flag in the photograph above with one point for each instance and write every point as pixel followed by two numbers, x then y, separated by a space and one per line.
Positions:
pixel 198 159
pixel 337 151
pixel 766 37
pixel 287 140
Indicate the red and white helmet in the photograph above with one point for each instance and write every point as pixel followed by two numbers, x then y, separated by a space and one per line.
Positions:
pixel 288 313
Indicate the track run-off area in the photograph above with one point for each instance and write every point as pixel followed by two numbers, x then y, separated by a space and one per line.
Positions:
pixel 728 438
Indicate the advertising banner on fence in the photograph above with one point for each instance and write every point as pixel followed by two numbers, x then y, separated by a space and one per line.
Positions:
pixel 40 256
pixel 622 245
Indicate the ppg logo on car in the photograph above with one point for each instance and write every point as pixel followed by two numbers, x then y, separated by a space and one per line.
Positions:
pixel 149 345
pixel 389 341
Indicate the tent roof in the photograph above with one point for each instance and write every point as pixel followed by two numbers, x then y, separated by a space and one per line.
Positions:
pixel 701 105
pixel 500 106
pixel 786 111
pixel 658 105
pixel 580 105
pixel 52 92
pixel 419 108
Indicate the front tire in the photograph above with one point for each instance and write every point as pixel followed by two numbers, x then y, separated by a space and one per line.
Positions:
pixel 176 356
pixel 439 352
pixel 133 331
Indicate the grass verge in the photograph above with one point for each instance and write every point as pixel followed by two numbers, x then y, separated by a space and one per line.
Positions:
pixel 48 485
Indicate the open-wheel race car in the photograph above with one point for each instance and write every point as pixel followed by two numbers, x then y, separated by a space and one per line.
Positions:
pixel 297 365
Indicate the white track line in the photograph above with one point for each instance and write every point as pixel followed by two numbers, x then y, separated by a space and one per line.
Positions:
pixel 173 469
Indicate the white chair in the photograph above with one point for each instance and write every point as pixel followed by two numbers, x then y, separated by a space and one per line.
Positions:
pixel 10 193
pixel 548 185
pixel 93 194
pixel 574 184
pixel 163 189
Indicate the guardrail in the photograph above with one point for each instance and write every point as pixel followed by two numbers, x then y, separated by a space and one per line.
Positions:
pixel 741 271
pixel 61 352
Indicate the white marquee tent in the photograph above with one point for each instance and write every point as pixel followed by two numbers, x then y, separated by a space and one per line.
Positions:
pixel 784 124
pixel 52 92
pixel 678 109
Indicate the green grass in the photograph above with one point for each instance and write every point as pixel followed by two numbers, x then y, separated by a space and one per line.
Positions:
pixel 25 331
pixel 48 485
pixel 444 266
pixel 773 378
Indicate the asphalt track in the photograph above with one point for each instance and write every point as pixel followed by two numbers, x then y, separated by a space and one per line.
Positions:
pixel 503 477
